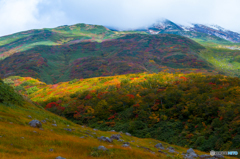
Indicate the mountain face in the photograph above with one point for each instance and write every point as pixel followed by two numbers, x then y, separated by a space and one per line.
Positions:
pixel 193 31
pixel 84 51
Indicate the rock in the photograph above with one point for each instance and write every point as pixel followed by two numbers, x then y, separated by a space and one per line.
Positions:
pixel 190 150
pixel 22 137
pixel 29 116
pixel 68 129
pixel 54 124
pixel 51 150
pixel 59 157
pixel 120 132
pixel 125 145
pixel 128 134
pixel 43 121
pixel 159 145
pixel 41 129
pixel 120 140
pixel 107 139
pixel 218 156
pixel 82 137
pixel 67 125
pixel 35 124
pixel 34 131
pixel 95 129
pixel 162 152
pixel 116 137
pixel 102 148
pixel 54 121
pixel 112 130
pixel 204 156
pixel 132 141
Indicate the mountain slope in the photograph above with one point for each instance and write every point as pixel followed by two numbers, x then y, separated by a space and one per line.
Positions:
pixel 194 110
pixel 131 53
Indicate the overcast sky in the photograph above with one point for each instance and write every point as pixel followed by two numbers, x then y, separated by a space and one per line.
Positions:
pixel 21 15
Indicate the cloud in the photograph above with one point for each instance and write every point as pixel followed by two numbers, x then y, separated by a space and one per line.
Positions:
pixel 19 15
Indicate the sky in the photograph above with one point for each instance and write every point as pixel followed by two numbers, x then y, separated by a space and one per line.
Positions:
pixel 22 15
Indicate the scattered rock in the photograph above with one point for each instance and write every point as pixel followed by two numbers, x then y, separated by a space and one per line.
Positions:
pixel 191 154
pixel 67 125
pixel 102 148
pixel 43 121
pixel 128 134
pixel 159 145
pixel 51 150
pixel 95 129
pixel 41 129
pixel 22 137
pixel 107 139
pixel 116 137
pixel 68 129
pixel 94 133
pixel 112 130
pixel 162 152
pixel 35 124
pixel 34 131
pixel 125 145
pixel 59 157
pixel 29 116
pixel 82 137
pixel 54 124
pixel 54 121
pixel 132 141
pixel 120 140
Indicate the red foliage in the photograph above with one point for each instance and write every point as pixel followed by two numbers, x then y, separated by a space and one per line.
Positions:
pixel 136 116
pixel 221 118
pixel 196 126
pixel 136 105
pixel 88 96
pixel 131 96
pixel 54 104
pixel 112 117
pixel 211 83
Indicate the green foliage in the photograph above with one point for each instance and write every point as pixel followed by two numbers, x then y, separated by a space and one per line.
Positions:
pixel 8 95
pixel 19 88
pixel 73 81
pixel 32 90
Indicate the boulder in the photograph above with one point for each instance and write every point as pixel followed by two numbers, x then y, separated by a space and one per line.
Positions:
pixel 35 124
pixel 102 148
pixel 29 116
pixel 54 124
pixel 204 156
pixel 190 150
pixel 128 134
pixel 68 129
pixel 107 139
pixel 191 154
pixel 159 145
pixel 125 145
pixel 116 137
pixel 43 121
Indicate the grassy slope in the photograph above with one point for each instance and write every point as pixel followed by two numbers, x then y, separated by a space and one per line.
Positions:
pixel 19 140
pixel 197 101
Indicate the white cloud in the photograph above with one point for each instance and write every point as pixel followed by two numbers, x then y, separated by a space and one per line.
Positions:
pixel 19 15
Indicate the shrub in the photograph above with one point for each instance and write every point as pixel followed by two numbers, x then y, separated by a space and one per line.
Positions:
pixel 32 90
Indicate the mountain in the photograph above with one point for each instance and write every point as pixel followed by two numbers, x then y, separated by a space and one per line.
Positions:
pixel 211 33
pixel 82 51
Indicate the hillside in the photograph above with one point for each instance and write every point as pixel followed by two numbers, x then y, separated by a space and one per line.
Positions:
pixel 130 53
pixel 192 110
pixel 59 137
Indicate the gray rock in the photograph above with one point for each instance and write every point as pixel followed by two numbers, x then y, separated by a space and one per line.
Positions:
pixel 51 150
pixel 172 151
pixel 82 137
pixel 112 130
pixel 125 145
pixel 128 134
pixel 41 129
pixel 54 121
pixel 190 150
pixel 54 124
pixel 29 116
pixel 120 140
pixel 107 139
pixel 68 129
pixel 95 129
pixel 102 148
pixel 59 157
pixel 159 145
pixel 43 121
pixel 116 137
pixel 204 156
pixel 67 125
pixel 162 152
pixel 35 124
